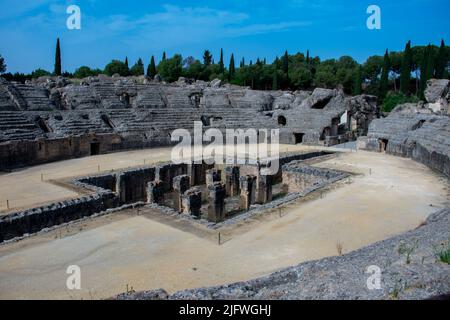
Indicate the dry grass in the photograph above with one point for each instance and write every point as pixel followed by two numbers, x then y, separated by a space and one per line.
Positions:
pixel 339 248
pixel 422 223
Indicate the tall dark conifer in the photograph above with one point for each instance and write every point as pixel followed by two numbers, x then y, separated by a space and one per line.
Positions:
pixel 441 61
pixel 221 64
pixel 231 68
pixel 357 87
pixel 405 75
pixel 384 81
pixel 127 65
pixel 423 72
pixel 151 69
pixel 58 59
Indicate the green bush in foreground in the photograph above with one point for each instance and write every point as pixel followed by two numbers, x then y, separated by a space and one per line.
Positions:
pixel 444 254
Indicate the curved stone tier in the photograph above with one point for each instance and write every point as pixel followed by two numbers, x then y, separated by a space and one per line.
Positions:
pixel 109 114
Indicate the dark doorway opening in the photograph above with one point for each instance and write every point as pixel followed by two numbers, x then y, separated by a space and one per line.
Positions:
pixel 95 148
pixel 298 138
pixel 282 120
pixel 383 144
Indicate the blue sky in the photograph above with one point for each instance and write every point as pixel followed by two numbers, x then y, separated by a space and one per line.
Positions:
pixel 114 29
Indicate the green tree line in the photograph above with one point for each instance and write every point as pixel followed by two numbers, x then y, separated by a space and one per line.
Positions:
pixel 396 77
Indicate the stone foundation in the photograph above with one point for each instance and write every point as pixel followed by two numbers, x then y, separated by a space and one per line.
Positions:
pixel 216 199
pixel 192 202
pixel 180 185
pixel 248 192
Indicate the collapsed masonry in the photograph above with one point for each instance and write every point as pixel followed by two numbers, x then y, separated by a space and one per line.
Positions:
pixel 200 191
pixel 420 131
pixel 50 119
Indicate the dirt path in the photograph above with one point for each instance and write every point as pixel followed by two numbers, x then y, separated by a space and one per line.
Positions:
pixel 392 195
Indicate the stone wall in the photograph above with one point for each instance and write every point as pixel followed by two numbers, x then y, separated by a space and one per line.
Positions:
pixel 299 178
pixel 34 220
pixel 131 185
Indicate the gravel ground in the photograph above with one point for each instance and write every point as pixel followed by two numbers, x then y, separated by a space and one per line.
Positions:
pixel 421 276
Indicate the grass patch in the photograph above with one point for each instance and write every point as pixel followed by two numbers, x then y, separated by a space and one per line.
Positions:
pixel 443 253
pixel 406 250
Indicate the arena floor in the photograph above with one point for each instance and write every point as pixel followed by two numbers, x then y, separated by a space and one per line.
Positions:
pixel 387 196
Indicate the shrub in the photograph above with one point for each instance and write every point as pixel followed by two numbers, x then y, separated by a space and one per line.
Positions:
pixel 443 254
pixel 394 99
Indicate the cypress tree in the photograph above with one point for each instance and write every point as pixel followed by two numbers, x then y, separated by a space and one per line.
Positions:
pixel 308 59
pixel 58 59
pixel 231 68
pixel 151 69
pixel 221 64
pixel 164 56
pixel 384 81
pixel 423 72
pixel 405 75
pixel 126 65
pixel 358 81
pixel 441 62
pixel 430 63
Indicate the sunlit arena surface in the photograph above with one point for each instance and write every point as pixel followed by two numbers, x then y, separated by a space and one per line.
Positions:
pixel 89 180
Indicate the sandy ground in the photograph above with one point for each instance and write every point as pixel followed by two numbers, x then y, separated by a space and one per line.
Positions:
pixel 389 196
pixel 24 189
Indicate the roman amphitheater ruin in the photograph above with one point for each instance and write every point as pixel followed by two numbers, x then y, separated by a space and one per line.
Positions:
pixel 86 179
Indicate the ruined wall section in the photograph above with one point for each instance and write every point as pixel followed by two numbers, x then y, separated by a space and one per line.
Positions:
pixel 34 220
pixel 422 137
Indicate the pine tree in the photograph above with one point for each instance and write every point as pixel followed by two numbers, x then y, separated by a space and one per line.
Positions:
pixel 441 62
pixel 405 76
pixel 231 68
pixel 207 58
pixel 58 59
pixel 384 81
pixel 357 90
pixel 221 64
pixel 151 69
